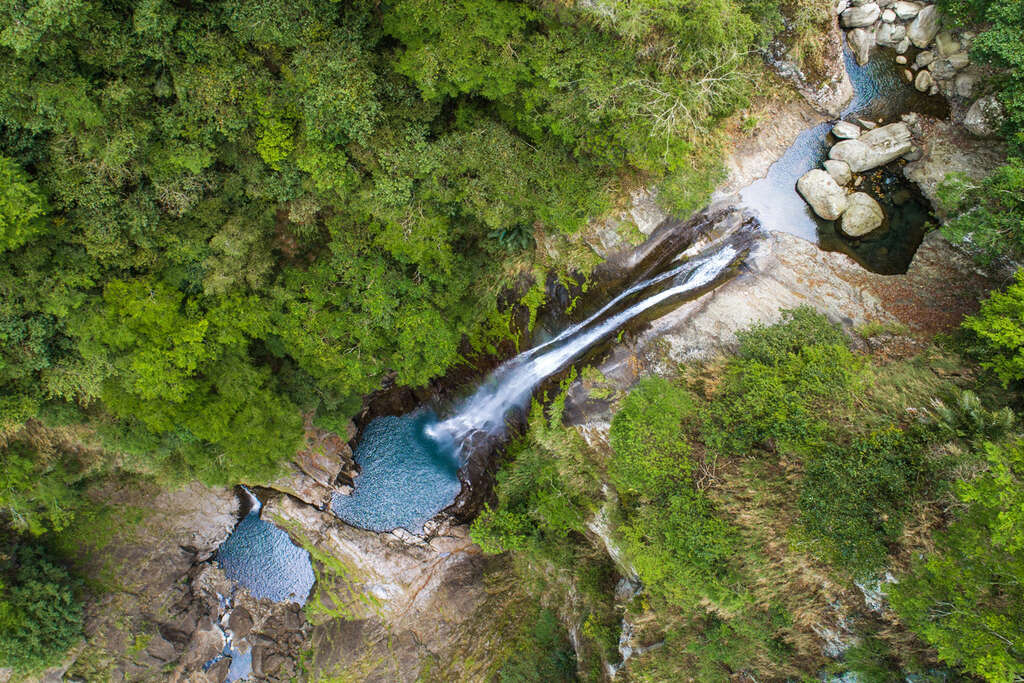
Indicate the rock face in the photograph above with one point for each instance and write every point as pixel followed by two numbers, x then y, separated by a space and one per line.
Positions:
pixel 828 87
pixel 823 194
pixel 859 17
pixel 862 216
pixel 985 117
pixel 948 150
pixel 924 27
pixel 321 469
pixel 874 148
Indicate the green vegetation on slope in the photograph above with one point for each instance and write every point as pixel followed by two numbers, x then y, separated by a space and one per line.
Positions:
pixel 745 493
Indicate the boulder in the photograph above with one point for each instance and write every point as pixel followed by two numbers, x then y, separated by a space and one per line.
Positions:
pixel 873 148
pixel 903 46
pixel 924 27
pixel 985 117
pixel 861 41
pixel 946 44
pixel 844 130
pixel 959 61
pixel 965 83
pixel 924 80
pixel 923 59
pixel 906 10
pixel 839 170
pixel 941 69
pixel 823 193
pixel 863 215
pixel 888 16
pixel 859 17
pixel 890 35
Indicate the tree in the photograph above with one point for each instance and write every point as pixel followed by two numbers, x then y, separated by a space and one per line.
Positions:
pixel 967 599
pixel 999 330
pixel 40 617
pixel 23 207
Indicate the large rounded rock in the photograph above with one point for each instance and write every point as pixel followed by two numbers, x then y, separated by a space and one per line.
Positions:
pixel 862 215
pixel 844 130
pixel 906 10
pixel 924 27
pixel 859 17
pixel 861 41
pixel 890 35
pixel 874 148
pixel 823 193
pixel 924 80
pixel 839 170
pixel 985 117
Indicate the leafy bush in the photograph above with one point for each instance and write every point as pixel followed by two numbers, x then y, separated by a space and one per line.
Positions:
pixel 543 653
pixel 999 330
pixel 40 618
pixel 854 497
pixel 651 456
pixel 967 599
pixel 987 216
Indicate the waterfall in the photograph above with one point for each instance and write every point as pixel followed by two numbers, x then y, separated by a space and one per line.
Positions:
pixel 512 384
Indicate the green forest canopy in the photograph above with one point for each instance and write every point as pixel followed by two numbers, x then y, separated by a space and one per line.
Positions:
pixel 218 215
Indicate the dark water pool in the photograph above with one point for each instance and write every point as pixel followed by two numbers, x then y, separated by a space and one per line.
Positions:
pixel 406 476
pixel 262 557
pixel 880 94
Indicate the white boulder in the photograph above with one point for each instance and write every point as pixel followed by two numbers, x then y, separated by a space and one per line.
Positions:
pixel 862 215
pixel 874 148
pixel 861 16
pixel 924 27
pixel 823 193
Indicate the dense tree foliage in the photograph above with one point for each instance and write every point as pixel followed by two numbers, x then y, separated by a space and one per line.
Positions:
pixel 998 329
pixel 40 617
pixel 967 599
pixel 216 216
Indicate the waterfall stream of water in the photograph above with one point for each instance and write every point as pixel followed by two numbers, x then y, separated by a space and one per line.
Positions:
pixel 410 463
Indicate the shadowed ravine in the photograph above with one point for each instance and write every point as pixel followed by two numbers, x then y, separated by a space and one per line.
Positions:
pixel 410 464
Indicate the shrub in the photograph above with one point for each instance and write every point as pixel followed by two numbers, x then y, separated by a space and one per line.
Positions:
pixel 999 330
pixel 40 618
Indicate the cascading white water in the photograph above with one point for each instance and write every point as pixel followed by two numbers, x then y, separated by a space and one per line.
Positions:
pixel 410 463
pixel 512 385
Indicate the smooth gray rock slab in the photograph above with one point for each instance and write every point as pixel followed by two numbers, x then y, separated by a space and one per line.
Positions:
pixel 890 35
pixel 823 193
pixel 874 148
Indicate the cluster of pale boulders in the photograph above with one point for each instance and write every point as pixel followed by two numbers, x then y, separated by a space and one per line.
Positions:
pixel 933 60
pixel 831 191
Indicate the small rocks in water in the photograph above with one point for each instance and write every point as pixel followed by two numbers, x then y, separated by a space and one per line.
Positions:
pixel 845 130
pixel 888 16
pixel 862 215
pixel 924 58
pixel 890 35
pixel 985 117
pixel 924 80
pixel 906 10
pixel 823 193
pixel 874 148
pixel 861 41
pixel 908 75
pixel 903 46
pixel 859 17
pixel 946 44
pixel 934 90
pixel 924 27
pixel 839 170
pixel 900 59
